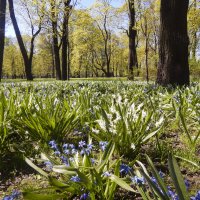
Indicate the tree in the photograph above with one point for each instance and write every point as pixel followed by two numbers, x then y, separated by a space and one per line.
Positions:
pixel 173 51
pixel 65 41
pixel 103 22
pixel 132 33
pixel 2 32
pixel 27 58
pixel 56 46
pixel 194 27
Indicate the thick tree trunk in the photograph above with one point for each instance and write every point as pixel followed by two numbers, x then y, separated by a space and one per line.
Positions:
pixel 132 33
pixel 65 41
pixel 173 53
pixel 27 64
pixel 2 32
pixel 55 41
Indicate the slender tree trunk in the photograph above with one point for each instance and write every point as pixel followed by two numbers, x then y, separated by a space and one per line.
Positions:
pixel 194 38
pixel 173 53
pixel 68 59
pixel 28 67
pixel 53 62
pixel 55 41
pixel 146 48
pixel 2 32
pixel 132 33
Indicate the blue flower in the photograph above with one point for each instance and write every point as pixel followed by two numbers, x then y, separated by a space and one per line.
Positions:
pixel 53 145
pixel 71 146
pixel 90 146
pixel 82 152
pixel 197 197
pixel 124 169
pixel 75 179
pixel 92 161
pixel 57 153
pixel 48 164
pixel 172 194
pixel 66 151
pixel 87 151
pixel 161 174
pixel 187 184
pixel 84 196
pixel 153 179
pixel 65 146
pixel 81 144
pixel 107 174
pixel 8 198
pixel 103 145
pixel 64 160
pixel 15 194
pixel 137 180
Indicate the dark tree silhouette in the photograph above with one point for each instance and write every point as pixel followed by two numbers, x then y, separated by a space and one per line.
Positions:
pixel 132 33
pixel 56 46
pixel 173 53
pixel 2 32
pixel 65 40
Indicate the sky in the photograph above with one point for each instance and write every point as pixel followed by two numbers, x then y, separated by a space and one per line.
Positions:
pixel 83 4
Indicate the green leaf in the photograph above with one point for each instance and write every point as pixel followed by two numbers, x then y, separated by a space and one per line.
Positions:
pixel 177 178
pixel 188 161
pixel 121 183
pixel 56 183
pixel 62 169
pixel 30 163
pixel 158 178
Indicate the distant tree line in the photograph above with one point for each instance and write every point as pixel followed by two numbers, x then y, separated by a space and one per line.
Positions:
pixel 147 39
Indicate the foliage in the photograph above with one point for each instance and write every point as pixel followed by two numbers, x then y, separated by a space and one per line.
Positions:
pixel 87 172
pixel 158 188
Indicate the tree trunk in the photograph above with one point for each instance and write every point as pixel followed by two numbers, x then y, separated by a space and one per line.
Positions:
pixel 132 33
pixel 55 41
pixel 194 38
pixel 65 40
pixel 146 48
pixel 173 52
pixel 53 62
pixel 28 67
pixel 2 32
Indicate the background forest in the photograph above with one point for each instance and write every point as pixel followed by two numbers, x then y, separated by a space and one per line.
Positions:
pixel 97 42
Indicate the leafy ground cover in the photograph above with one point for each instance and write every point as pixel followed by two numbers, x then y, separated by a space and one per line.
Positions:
pixel 90 140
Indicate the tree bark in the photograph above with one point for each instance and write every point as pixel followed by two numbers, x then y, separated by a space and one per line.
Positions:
pixel 2 32
pixel 55 40
pixel 132 33
pixel 173 51
pixel 65 41
pixel 194 38
pixel 28 67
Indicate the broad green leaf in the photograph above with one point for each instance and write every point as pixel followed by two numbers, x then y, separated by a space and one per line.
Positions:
pixel 30 163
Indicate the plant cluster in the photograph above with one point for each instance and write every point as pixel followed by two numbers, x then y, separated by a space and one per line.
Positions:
pixel 92 134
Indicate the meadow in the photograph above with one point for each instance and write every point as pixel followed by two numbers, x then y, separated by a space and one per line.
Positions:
pixel 99 140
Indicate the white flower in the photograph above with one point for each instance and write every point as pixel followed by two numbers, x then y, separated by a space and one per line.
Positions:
pixel 132 146
pixel 144 114
pixel 158 123
pixel 102 124
pixel 95 131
